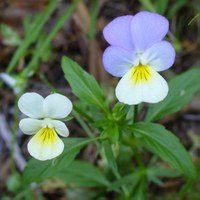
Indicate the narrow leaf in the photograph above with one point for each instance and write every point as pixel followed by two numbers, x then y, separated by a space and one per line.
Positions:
pixel 166 145
pixel 130 180
pixel 83 174
pixel 36 171
pixel 110 157
pixel 32 36
pixel 83 84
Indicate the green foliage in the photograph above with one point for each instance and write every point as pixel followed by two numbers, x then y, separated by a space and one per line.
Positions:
pixel 181 90
pixel 164 144
pixel 110 157
pixel 37 171
pixel 163 6
pixel 93 18
pixel 83 174
pixel 83 84
pixel 14 182
pixel 32 35
pixel 140 191
pixel 111 133
pixel 155 172
pixel 10 36
pixel 148 5
pixel 130 180
pixel 114 127
pixel 175 7
pixel 41 48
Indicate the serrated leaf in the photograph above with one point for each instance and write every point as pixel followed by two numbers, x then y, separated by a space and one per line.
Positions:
pixel 36 171
pixel 181 90
pixel 166 145
pixel 83 174
pixel 83 84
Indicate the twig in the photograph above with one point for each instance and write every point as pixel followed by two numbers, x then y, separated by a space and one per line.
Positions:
pixel 5 133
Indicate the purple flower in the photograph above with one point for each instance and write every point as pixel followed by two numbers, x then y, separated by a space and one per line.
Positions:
pixel 136 53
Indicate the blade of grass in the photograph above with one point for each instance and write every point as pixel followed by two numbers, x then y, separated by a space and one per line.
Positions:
pixel 147 4
pixel 93 18
pixel 32 66
pixel 32 36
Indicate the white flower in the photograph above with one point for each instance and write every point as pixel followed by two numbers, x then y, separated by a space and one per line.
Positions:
pixel 44 123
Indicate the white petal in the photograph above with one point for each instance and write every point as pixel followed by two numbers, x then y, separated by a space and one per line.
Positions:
pixel 57 106
pixel 30 126
pixel 60 128
pixel 31 104
pixel 43 148
pixel 151 91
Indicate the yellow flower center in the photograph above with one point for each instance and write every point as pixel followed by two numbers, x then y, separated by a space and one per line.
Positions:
pixel 140 73
pixel 46 135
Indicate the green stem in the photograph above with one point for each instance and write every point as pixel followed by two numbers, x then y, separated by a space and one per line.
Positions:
pixel 85 127
pixel 47 83
pixel 83 113
pixel 185 188
pixel 113 165
pixel 83 124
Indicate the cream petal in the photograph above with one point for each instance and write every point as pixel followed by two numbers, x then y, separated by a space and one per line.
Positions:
pixel 30 126
pixel 57 106
pixel 31 104
pixel 45 147
pixel 151 91
pixel 60 128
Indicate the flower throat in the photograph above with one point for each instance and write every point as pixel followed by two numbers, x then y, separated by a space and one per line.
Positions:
pixel 140 73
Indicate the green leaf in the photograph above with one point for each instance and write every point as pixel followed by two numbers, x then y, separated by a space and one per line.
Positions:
pixel 147 4
pixel 130 180
pixel 154 172
pixel 10 36
pixel 181 90
pixel 36 171
pixel 83 84
pixel 166 145
pixel 140 192
pixel 34 31
pixel 83 174
pixel 94 9
pixel 161 6
pixel 162 172
pixel 110 157
pixel 46 42
pixel 175 7
pixel 111 133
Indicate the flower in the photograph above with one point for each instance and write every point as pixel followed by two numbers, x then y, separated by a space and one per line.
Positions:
pixel 43 120
pixel 136 53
